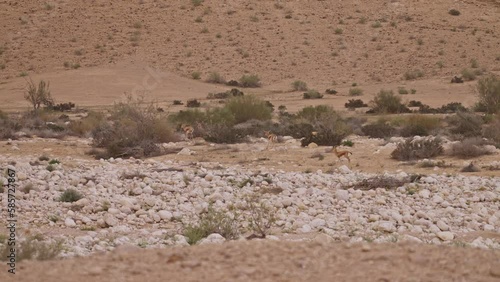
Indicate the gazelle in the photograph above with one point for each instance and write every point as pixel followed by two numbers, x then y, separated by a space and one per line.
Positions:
pixel 273 138
pixel 343 153
pixel 188 131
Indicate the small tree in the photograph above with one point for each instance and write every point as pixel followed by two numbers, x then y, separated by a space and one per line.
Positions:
pixel 38 96
pixel 489 93
pixel 387 102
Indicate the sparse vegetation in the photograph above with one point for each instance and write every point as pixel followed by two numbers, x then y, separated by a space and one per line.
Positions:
pixel 38 96
pixel 245 108
pixel 250 81
pixel 133 129
pixel 355 103
pixel 355 91
pixel 378 129
pixel 468 75
pixel 312 94
pixel 70 195
pixel 215 77
pixel 413 74
pixel 213 221
pixel 402 91
pixel 489 93
pixel 454 12
pixel 193 103
pixel 413 149
pixel 386 102
pixel 33 248
pixel 299 85
pixel 470 148
pixel 262 216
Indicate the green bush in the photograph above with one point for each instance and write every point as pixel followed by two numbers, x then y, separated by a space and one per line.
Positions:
pixel 413 74
pixel 402 91
pixel 489 93
pixel 468 75
pixel 85 126
pixel 70 195
pixel 299 85
pixel 248 107
pixel 379 129
pixel 470 148
pixel 312 94
pixel 193 103
pixel 419 125
pixel 387 102
pixel 251 80
pixel 355 91
pixel 355 103
pixel 133 130
pixel 214 221
pixel 418 149
pixel 196 75
pixel 465 124
pixel 329 126
pixel 215 77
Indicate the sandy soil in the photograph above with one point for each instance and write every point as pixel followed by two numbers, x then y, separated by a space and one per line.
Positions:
pixel 274 261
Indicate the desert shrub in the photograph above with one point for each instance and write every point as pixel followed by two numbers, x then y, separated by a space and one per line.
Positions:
pixel 33 248
pixel 251 80
pixel 193 103
pixel 356 124
pixel 85 126
pixel 213 221
pixel 470 168
pixel 233 83
pixel 38 96
pixel 312 94
pixel 452 107
pixel 382 181
pixel 419 125
pixel 329 126
pixel 347 143
pixel 387 102
pixel 215 77
pixel 355 91
pixel 248 107
pixel 413 74
pixel 414 103
pixel 191 116
pixel 468 75
pixel 402 91
pixel 70 195
pixel 489 93
pixel 379 129
pixel 178 102
pixel 417 149
pixel 133 130
pixel 492 131
pixel 262 216
pixel 470 148
pixel 7 127
pixel 224 95
pixel 454 12
pixel 196 2
pixel 331 91
pixel 299 85
pixel 196 75
pixel 355 103
pixel 465 124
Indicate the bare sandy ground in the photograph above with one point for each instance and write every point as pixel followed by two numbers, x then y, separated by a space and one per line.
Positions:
pixel 274 261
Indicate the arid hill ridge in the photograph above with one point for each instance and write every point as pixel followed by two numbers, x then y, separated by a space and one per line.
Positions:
pixel 320 42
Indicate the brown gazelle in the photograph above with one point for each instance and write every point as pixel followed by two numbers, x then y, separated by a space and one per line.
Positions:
pixel 188 130
pixel 273 138
pixel 343 153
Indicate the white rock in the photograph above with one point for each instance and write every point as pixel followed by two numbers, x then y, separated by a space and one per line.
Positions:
pixel 424 193
pixel 113 211
pixel 385 226
pixel 344 169
pixel 318 222
pixel 165 215
pixel 186 152
pixel 180 240
pixel 147 190
pixel 342 194
pixel 110 220
pixel 442 225
pixel 69 222
pixel 213 238
pixel 445 235
pixel 306 228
